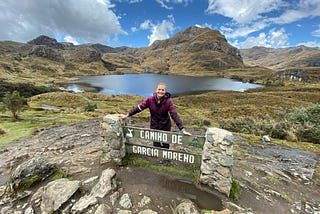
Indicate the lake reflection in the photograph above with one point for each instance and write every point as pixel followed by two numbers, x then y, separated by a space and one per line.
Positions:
pixel 145 84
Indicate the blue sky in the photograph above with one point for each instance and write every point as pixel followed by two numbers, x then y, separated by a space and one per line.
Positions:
pixel 138 23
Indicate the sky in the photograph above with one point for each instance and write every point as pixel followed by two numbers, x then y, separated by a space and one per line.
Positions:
pixel 138 23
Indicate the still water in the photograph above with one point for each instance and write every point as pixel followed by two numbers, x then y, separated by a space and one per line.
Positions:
pixel 145 84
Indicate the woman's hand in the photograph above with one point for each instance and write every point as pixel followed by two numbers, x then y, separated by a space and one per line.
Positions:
pixel 123 116
pixel 186 133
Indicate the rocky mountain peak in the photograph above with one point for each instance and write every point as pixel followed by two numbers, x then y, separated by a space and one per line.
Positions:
pixel 193 49
pixel 191 34
pixel 45 40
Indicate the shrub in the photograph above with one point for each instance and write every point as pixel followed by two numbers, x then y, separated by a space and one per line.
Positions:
pixel 14 103
pixel 248 125
pixel 307 115
pixel 280 130
pixel 235 187
pixel 90 106
pixel 302 123
pixel 306 123
pixel 308 132
pixel 2 132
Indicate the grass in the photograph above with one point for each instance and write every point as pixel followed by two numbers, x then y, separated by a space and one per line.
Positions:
pixel 184 172
pixel 235 187
pixel 33 120
pixel 198 112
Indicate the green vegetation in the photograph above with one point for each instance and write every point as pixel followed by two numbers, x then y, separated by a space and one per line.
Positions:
pixel 29 181
pixel 180 171
pixel 14 103
pixel 235 187
pixel 32 121
pixel 57 175
pixel 300 123
pixel 90 106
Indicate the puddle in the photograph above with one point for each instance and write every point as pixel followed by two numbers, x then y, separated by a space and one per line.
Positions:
pixel 168 189
pixel 50 107
pixel 204 199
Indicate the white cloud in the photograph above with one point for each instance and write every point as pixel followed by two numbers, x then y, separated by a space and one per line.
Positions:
pixel 274 39
pixel 162 31
pixel 305 8
pixel 250 16
pixel 243 11
pixel 134 29
pixel 85 20
pixel 310 44
pixel 316 32
pixel 165 3
pixel 147 24
pixel 243 30
pixel 130 1
pixel 205 25
pixel 69 38
pixel 159 31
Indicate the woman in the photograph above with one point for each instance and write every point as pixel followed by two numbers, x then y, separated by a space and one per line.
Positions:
pixel 161 109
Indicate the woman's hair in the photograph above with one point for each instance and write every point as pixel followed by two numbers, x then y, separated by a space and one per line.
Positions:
pixel 162 83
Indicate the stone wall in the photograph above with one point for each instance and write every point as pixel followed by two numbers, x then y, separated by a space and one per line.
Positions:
pixel 114 142
pixel 217 158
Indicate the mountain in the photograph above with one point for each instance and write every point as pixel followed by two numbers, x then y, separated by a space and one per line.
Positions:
pixel 282 58
pixel 194 49
pixel 294 63
pixel 191 50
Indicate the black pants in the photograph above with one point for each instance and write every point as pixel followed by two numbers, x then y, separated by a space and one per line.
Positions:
pixel 161 145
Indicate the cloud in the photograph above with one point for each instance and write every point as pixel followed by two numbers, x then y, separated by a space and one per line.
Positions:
pixel 304 9
pixel 159 31
pixel 205 25
pixel 243 11
pixel 85 20
pixel 147 24
pixel 243 30
pixel 251 16
pixel 164 3
pixel 69 38
pixel 130 1
pixel 274 38
pixel 316 32
pixel 310 44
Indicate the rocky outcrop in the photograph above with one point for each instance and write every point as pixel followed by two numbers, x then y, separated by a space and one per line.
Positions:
pixel 47 41
pixel 36 169
pixel 91 183
pixel 46 52
pixel 293 75
pixel 69 196
pixel 56 193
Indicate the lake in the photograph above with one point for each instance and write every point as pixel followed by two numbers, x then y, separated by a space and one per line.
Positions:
pixel 145 84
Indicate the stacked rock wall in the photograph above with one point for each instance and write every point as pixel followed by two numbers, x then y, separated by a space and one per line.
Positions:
pixel 217 158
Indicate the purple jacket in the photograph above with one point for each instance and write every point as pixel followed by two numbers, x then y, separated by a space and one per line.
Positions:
pixel 160 112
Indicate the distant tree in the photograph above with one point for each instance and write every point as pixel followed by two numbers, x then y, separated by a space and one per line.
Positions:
pixel 14 103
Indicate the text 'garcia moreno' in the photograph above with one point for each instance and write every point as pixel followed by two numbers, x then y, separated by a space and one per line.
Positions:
pixel 164 154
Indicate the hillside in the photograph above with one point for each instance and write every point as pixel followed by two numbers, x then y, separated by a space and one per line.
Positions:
pixel 282 58
pixel 191 50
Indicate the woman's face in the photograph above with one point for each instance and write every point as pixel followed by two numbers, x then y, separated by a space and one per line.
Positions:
pixel 161 90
